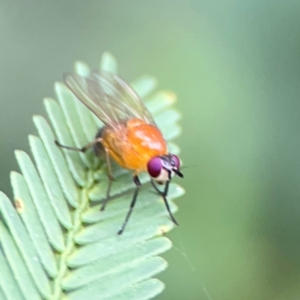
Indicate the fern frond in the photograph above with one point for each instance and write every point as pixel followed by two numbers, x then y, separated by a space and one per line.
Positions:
pixel 54 242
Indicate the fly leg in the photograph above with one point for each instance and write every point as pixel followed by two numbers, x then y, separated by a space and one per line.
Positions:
pixel 137 188
pixel 110 180
pixel 156 188
pixel 96 149
pixel 82 149
pixel 164 195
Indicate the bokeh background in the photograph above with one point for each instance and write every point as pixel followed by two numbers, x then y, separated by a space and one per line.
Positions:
pixel 235 66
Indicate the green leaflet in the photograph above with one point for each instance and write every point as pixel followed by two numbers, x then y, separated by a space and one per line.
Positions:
pixel 8 284
pixel 30 218
pixel 110 286
pixel 41 201
pixel 120 261
pixel 139 291
pixel 58 161
pixel 20 253
pixel 55 244
pixel 108 63
pixel 144 85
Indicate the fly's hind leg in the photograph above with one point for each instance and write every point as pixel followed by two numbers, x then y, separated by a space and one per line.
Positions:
pixel 98 148
pixel 82 149
pixel 96 144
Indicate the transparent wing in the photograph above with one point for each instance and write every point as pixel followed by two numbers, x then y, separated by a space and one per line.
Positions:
pixel 109 97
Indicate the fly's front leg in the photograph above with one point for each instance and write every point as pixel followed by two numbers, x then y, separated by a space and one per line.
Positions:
pixel 164 196
pixel 156 188
pixel 110 179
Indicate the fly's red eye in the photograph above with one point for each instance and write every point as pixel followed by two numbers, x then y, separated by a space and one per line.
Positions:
pixel 154 167
pixel 176 161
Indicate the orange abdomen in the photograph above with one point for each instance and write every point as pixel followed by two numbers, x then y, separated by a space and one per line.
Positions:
pixel 134 144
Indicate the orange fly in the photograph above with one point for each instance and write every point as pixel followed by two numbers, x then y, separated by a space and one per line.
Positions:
pixel 129 136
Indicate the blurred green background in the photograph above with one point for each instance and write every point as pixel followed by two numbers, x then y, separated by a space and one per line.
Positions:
pixel 235 66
